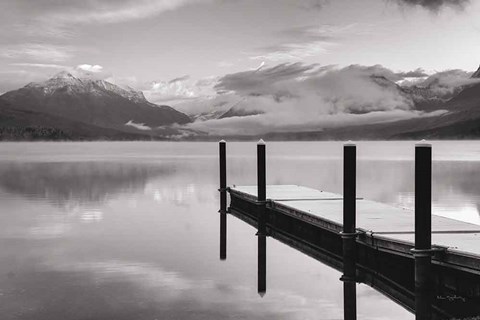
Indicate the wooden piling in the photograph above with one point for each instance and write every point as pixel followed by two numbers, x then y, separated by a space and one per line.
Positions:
pixel 349 187
pixel 261 187
pixel 423 231
pixel 423 196
pixel 349 210
pixel 261 171
pixel 223 200
pixel 223 176
pixel 349 231
pixel 262 219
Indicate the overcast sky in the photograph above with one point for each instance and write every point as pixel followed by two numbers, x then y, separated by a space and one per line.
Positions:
pixel 160 40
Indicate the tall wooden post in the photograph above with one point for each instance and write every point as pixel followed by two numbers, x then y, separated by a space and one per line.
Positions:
pixel 349 230
pixel 223 176
pixel 223 200
pixel 423 230
pixel 261 171
pixel 262 219
pixel 349 187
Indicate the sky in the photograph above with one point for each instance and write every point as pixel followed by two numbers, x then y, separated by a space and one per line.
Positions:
pixel 176 50
pixel 160 40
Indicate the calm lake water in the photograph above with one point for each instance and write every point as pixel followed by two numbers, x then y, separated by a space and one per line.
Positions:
pixel 129 230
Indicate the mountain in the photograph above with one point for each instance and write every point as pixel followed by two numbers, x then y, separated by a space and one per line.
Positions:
pixel 457 117
pixel 96 103
pixel 460 120
pixel 66 107
pixel 476 74
pixel 31 125
pixel 424 98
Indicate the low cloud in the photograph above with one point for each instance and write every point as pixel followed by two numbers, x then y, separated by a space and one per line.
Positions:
pixel 139 126
pixel 91 71
pixel 178 90
pixel 90 68
pixel 298 97
pixel 292 122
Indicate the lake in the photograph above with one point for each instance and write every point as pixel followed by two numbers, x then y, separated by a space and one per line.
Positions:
pixel 130 230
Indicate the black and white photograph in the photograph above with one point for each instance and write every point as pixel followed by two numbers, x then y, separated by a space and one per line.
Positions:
pixel 239 159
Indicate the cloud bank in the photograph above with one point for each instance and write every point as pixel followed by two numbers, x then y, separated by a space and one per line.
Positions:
pixel 299 97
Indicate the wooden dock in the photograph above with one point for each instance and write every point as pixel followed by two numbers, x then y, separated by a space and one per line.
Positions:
pixel 426 263
pixel 311 221
pixel 374 219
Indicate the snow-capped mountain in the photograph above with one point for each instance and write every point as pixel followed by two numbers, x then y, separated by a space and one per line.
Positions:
pixel 90 101
pixel 65 80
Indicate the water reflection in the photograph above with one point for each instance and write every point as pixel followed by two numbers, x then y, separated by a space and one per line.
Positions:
pixel 223 236
pixel 349 300
pixel 262 265
pixel 133 234
pixel 73 184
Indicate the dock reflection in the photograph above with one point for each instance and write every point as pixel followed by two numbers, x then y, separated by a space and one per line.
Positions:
pixel 223 236
pixel 349 300
pixel 423 302
pixel 262 265
pixel 349 297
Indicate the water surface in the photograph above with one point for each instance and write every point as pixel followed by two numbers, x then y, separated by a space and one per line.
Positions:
pixel 129 230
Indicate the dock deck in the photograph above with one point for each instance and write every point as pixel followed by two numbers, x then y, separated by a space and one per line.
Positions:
pixel 373 218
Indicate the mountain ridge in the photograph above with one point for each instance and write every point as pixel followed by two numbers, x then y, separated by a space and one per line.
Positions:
pixel 69 107
pixel 96 103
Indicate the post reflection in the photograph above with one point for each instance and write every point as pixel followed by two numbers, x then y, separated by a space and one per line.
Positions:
pixel 349 279
pixel 262 265
pixel 349 300
pixel 223 236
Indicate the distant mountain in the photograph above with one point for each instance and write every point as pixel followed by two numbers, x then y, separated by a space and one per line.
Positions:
pixel 66 107
pixel 459 119
pixel 31 125
pixel 424 98
pixel 96 103
pixel 476 74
